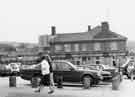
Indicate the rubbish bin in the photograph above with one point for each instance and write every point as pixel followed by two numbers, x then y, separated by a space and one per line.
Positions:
pixel 35 82
pixel 12 81
pixel 116 81
pixel 59 81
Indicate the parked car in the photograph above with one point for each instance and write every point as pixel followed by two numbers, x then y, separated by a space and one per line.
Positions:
pixel 4 70
pixel 14 68
pixel 108 68
pixel 107 76
pixel 69 72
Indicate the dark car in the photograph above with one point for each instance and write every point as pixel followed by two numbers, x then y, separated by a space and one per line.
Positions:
pixel 68 71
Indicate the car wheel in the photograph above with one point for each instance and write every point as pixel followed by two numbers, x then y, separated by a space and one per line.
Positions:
pixel 96 82
pixel 87 82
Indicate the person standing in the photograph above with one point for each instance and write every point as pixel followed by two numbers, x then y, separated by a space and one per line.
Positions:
pixel 51 86
pixel 114 63
pixel 130 70
pixel 46 74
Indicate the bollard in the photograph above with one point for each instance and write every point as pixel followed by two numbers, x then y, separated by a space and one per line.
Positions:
pixel 121 77
pixel 116 81
pixel 59 81
pixel 12 81
pixel 35 82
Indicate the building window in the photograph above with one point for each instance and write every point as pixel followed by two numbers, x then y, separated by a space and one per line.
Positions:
pixel 113 46
pixel 97 62
pixel 44 40
pixel 97 47
pixel 89 58
pixel 84 58
pixel 97 57
pixel 58 47
pixel 67 47
pixel 84 47
pixel 77 62
pixel 76 47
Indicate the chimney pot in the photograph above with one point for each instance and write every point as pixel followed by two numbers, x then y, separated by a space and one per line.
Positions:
pixel 89 28
pixel 53 29
pixel 105 26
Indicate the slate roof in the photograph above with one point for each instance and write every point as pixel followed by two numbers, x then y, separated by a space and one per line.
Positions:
pixel 95 34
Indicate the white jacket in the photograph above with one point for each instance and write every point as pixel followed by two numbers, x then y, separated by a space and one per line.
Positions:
pixel 45 67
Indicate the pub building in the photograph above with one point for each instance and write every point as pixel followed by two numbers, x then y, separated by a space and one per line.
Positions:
pixel 98 45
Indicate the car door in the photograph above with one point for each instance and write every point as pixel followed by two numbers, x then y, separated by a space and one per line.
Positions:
pixel 69 73
pixel 56 71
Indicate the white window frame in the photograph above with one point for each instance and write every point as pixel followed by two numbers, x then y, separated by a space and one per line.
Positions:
pixel 84 47
pixel 67 47
pixel 76 47
pixel 58 47
pixel 113 46
pixel 97 46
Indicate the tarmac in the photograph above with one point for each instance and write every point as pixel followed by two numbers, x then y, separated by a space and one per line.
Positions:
pixel 24 89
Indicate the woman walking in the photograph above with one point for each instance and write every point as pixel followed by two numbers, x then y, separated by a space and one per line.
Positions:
pixel 46 74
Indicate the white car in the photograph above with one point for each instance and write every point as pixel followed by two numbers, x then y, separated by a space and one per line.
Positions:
pixel 14 67
pixel 34 66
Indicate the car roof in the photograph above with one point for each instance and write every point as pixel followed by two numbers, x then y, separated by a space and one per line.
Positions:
pixel 61 61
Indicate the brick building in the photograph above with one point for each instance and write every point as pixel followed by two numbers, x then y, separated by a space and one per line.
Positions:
pixel 98 45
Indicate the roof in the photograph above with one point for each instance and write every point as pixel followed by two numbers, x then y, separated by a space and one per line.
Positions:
pixel 94 34
pixel 80 36
pixel 7 47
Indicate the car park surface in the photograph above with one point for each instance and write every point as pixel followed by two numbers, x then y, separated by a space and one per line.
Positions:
pixel 104 89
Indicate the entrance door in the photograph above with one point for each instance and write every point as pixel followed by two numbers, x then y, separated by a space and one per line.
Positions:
pixel 77 60
pixel 107 61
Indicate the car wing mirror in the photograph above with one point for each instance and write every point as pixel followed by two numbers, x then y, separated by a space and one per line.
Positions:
pixel 71 69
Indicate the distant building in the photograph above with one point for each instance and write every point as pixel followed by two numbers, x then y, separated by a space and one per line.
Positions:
pixel 98 45
pixel 16 48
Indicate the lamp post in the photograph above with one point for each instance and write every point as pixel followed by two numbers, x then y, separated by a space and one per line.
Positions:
pixel 118 65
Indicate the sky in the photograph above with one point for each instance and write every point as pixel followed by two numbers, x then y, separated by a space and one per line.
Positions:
pixel 25 20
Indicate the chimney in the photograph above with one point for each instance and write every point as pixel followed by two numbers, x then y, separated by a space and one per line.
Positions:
pixel 89 28
pixel 53 30
pixel 105 26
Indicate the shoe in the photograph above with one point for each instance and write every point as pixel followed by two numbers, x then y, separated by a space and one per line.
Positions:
pixel 37 91
pixel 50 92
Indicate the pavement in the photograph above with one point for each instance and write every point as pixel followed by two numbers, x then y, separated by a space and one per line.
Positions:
pixel 24 89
